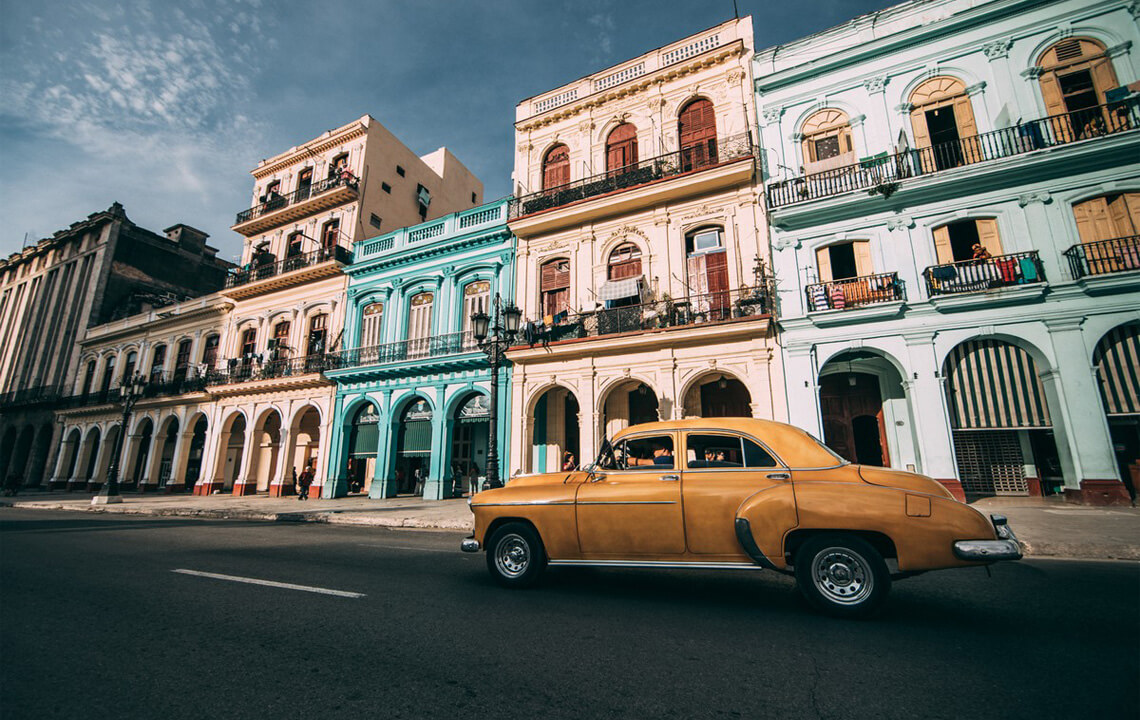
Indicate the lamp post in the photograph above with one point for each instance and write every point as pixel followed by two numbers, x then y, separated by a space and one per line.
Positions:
pixel 494 335
pixel 129 393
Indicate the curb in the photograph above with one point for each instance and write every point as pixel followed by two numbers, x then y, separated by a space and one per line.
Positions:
pixel 330 517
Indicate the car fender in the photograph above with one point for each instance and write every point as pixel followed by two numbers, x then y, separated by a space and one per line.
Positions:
pixel 764 518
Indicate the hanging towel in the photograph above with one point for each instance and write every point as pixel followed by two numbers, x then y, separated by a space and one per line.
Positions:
pixel 1028 270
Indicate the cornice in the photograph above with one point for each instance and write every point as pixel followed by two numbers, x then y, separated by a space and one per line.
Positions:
pixel 306 151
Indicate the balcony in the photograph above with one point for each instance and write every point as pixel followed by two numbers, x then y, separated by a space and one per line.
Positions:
pixel 974 276
pixel 251 369
pixel 1104 257
pixel 851 293
pixel 695 159
pixel 281 209
pixel 665 314
pixel 456 225
pixel 266 273
pixel 882 173
pixel 415 349
pixel 29 396
pixel 159 384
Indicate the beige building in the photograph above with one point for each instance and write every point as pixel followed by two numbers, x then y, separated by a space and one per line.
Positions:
pixel 272 403
pixel 642 251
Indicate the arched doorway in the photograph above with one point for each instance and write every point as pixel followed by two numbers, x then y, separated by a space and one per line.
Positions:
pixel 305 443
pixel 1000 420
pixel 469 444
pixel 88 456
pixel 864 410
pixel 70 449
pixel 142 447
pixel 266 451
pixel 554 431
pixel 630 402
pixel 718 395
pixel 38 465
pixel 232 451
pixel 1117 361
pixel 169 440
pixel 413 447
pixel 111 447
pixel 363 444
pixel 195 454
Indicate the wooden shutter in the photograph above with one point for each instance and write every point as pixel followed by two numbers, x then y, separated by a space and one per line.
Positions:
pixel 1086 226
pixel 863 264
pixel 554 278
pixel 988 236
pixel 697 128
pixel 964 117
pixel 1051 94
pixel 621 147
pixel 698 280
pixel 556 167
pixel 942 248
pixel 823 262
pixel 1132 202
pixel 918 124
pixel 716 268
pixel 1104 77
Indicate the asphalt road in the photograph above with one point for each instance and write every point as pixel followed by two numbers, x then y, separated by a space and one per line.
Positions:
pixel 94 623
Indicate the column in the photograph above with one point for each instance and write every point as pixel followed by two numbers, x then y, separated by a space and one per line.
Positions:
pixel 99 475
pixel 803 390
pixel 81 452
pixel 1041 234
pixel 440 436
pixel 926 394
pixel 244 483
pixel 587 421
pixel 208 477
pixel 337 452
pixel 1079 423
pixel 130 459
pixel 384 480
pixel 281 482
pixel 177 482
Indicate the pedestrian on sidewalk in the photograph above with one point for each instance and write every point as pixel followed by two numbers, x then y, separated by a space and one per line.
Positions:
pixel 305 481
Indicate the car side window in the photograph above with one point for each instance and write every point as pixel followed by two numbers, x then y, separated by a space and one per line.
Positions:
pixel 756 456
pixel 705 452
pixel 655 451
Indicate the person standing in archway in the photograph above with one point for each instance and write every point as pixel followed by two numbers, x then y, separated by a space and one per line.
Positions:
pixel 305 481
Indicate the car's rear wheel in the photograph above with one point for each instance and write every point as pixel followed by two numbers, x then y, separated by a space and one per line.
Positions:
pixel 515 555
pixel 842 575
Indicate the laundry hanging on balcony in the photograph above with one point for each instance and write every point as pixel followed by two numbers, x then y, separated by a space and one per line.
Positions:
pixel 620 289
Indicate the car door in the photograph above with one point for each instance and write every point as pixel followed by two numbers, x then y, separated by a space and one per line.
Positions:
pixel 720 471
pixel 632 506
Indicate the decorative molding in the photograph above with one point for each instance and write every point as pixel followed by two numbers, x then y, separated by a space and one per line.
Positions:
pixel 997 49
pixel 771 115
pixel 783 242
pixel 1031 73
pixel 1134 8
pixel 904 108
pixel 976 88
pixel 856 121
pixel 876 84
pixel 1118 50
pixel 900 223
pixel 1041 196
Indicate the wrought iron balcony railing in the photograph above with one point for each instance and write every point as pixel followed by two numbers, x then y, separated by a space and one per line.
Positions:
pixel 403 350
pixel 249 369
pixel 299 195
pixel 707 308
pixel 855 292
pixel 698 157
pixel 882 173
pixel 268 266
pixel 30 396
pixel 158 385
pixel 971 276
pixel 1104 256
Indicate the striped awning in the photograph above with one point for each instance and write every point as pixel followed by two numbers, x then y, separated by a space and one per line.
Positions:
pixel 1117 360
pixel 993 385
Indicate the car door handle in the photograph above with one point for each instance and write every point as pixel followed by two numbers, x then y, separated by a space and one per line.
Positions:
pixel 671 478
pixel 779 476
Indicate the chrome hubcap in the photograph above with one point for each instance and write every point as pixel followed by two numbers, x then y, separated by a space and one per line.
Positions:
pixel 842 576
pixel 512 556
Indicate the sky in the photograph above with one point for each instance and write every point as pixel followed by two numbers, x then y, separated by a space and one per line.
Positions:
pixel 165 106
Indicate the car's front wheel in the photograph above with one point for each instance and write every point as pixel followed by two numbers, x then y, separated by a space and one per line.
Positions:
pixel 515 555
pixel 842 575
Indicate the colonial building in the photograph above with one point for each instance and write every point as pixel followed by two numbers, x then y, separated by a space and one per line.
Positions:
pixel 412 405
pixel 642 251
pixel 954 192
pixel 273 413
pixel 98 269
pixel 175 348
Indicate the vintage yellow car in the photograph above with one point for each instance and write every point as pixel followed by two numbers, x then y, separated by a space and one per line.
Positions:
pixel 735 493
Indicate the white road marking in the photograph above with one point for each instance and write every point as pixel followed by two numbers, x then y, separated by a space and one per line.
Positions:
pixel 270 583
pixel 408 547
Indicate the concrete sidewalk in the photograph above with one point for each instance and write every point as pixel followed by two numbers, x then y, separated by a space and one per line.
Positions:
pixel 1047 527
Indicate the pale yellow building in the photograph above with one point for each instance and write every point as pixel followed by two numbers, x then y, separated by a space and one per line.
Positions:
pixel 642 251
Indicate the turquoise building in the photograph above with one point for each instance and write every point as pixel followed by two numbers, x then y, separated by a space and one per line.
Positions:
pixel 412 411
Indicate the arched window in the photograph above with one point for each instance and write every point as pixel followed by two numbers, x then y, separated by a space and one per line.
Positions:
pixel 1075 75
pixel 89 377
pixel 419 316
pixel 330 234
pixel 304 183
pixel 295 244
pixel 697 127
pixel 942 119
pixel 210 352
pixel 338 165
pixel 1108 217
pixel 182 360
pixel 844 260
pixel 554 286
pixel 158 361
pixel 108 373
pixel 476 298
pixel 707 264
pixel 556 167
pixel 129 367
pixel 827 140
pixel 318 334
pixel 954 242
pixel 371 324
pixel 621 147
pixel 248 343
pixel 624 262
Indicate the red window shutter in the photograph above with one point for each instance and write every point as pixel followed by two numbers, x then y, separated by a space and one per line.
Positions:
pixel 697 128
pixel 555 275
pixel 716 268
pixel 621 147
pixel 556 167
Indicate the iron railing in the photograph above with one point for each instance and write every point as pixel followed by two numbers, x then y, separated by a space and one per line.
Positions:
pixel 30 396
pixel 714 307
pixel 882 173
pixel 266 265
pixel 248 369
pixel 855 292
pixel 1104 256
pixel 157 385
pixel 299 195
pixel 403 350
pixel 698 157
pixel 977 275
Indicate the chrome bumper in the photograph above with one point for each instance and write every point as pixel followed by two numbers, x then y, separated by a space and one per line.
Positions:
pixel 1005 547
pixel 469 545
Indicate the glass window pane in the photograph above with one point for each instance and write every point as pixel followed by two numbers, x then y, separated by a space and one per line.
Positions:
pixel 756 456
pixel 714 451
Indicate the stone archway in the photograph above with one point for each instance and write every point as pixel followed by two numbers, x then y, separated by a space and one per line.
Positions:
pixel 136 470
pixel 1117 362
pixel 196 454
pixel 265 452
pixel 628 402
pixel 305 445
pixel 717 394
pixel 554 431
pixel 412 457
pixel 470 434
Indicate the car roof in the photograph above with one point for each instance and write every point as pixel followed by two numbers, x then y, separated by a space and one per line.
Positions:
pixel 794 446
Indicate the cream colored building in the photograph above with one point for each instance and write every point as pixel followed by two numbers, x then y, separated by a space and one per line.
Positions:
pixel 642 251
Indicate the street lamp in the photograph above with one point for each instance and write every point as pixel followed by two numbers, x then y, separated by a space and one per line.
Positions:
pixel 130 392
pixel 494 335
